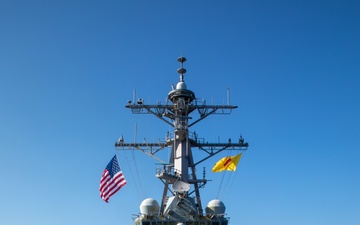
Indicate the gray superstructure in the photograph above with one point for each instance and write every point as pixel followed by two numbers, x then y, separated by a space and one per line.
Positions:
pixel 179 174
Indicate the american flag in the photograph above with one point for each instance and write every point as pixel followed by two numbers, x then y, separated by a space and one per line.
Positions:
pixel 111 180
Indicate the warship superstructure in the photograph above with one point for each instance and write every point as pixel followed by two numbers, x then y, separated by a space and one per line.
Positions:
pixel 180 203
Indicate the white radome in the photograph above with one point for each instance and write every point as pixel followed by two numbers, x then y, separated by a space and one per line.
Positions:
pixel 149 206
pixel 215 207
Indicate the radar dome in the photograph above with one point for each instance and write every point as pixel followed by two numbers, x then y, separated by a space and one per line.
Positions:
pixel 215 207
pixel 181 85
pixel 149 206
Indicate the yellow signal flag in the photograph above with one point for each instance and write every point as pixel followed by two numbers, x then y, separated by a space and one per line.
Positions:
pixel 227 163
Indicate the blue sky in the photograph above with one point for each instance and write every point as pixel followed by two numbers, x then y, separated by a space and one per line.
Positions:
pixel 67 69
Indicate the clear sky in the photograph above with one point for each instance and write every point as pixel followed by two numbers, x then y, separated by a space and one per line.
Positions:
pixel 67 69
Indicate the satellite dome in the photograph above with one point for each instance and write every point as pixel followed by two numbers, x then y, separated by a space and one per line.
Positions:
pixel 149 206
pixel 181 85
pixel 215 207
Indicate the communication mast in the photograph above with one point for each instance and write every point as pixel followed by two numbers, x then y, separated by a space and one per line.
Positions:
pixel 179 174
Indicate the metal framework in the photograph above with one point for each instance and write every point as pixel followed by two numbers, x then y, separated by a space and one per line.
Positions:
pixel 176 112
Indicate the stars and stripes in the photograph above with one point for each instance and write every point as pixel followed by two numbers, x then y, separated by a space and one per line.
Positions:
pixel 111 180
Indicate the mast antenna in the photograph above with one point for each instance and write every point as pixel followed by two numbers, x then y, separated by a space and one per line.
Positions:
pixel 135 130
pixel 181 70
pixel 228 96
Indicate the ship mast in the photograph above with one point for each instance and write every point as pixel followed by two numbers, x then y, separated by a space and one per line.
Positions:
pixel 180 171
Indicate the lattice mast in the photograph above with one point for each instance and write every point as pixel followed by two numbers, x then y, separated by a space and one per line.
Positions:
pixel 180 104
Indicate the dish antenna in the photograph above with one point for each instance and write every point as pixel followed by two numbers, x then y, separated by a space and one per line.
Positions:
pixel 181 186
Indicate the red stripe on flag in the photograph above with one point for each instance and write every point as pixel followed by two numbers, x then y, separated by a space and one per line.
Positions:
pixel 109 186
pixel 228 161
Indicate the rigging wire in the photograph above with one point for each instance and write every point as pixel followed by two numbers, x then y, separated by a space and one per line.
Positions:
pixel 234 175
pixel 221 181
pixel 228 178
pixel 137 175
pixel 132 176
pixel 140 186
pixel 231 176
pixel 134 172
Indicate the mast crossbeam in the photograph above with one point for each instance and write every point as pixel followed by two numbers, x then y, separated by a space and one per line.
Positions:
pixel 167 113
